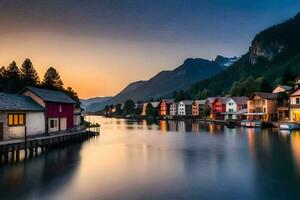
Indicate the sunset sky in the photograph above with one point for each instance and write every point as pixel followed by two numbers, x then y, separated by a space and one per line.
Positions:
pixel 100 46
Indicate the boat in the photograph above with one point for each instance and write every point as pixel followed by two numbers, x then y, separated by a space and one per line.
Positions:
pixel 252 123
pixel 243 122
pixel 288 126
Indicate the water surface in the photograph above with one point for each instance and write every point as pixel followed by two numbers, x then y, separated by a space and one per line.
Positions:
pixel 167 160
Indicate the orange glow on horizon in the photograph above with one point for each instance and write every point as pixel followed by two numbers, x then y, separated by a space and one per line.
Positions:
pixel 92 66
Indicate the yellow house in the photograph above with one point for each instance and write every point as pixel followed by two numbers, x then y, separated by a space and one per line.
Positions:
pixel 295 106
pixel 262 106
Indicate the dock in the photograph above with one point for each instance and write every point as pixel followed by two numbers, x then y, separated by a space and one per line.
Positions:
pixel 11 150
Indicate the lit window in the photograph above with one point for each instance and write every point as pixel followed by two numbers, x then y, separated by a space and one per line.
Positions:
pixel 16 119
pixel 60 108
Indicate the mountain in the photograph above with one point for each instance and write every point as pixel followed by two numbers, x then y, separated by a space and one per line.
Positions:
pixel 87 102
pixel 273 58
pixel 165 82
pixel 131 87
pixel 224 61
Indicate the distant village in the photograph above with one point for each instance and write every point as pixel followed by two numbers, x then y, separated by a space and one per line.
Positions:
pixel 282 105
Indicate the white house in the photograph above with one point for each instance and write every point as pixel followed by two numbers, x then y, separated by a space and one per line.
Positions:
pixel 181 108
pixel 173 109
pixel 19 113
pixel 235 107
pixel 184 108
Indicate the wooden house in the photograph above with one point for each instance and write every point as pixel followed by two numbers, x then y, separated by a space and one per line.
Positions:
pixel 144 109
pixel 295 105
pixel 235 108
pixel 218 108
pixel 262 106
pixel 19 114
pixel 185 108
pixel 195 109
pixel 164 107
pixel 173 108
pixel 59 107
pixel 283 112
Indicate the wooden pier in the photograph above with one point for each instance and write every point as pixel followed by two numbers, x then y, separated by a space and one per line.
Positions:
pixel 10 150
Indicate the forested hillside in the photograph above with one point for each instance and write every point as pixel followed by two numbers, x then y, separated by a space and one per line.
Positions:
pixel 273 58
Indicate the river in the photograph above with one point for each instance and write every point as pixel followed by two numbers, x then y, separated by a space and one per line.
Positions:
pixel 167 160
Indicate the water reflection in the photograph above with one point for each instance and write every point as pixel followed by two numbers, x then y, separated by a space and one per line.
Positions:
pixel 20 180
pixel 163 160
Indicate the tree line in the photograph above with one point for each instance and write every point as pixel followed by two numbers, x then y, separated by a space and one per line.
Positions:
pixel 14 78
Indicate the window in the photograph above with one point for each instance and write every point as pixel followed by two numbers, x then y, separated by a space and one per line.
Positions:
pixel 297 100
pixel 60 108
pixel 53 123
pixel 16 119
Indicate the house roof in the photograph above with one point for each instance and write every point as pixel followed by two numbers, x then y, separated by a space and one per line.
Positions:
pixel 14 102
pixel 154 104
pixel 187 102
pixel 211 99
pixel 200 102
pixel 222 99
pixel 168 101
pixel 50 95
pixel 263 95
pixel 286 88
pixel 240 100
pixel 295 92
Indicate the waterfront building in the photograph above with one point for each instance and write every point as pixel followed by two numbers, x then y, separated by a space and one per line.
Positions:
pixel 209 102
pixel 195 109
pixel 173 109
pixel 295 105
pixel 202 106
pixel 262 106
pixel 235 108
pixel 164 107
pixel 185 108
pixel 144 109
pixel 19 114
pixel 218 108
pixel 283 92
pixel 77 117
pixel 59 107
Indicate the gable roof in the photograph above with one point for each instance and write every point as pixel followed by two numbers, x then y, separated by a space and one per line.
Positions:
pixel 14 102
pixel 154 104
pixel 168 101
pixel 295 92
pixel 285 88
pixel 211 99
pixel 263 95
pixel 50 95
pixel 187 102
pixel 240 100
pixel 223 100
pixel 200 102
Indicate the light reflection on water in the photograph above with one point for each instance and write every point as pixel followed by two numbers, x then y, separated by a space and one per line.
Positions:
pixel 163 160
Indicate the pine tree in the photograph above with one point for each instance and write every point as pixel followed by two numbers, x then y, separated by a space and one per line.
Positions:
pixel 2 78
pixel 13 82
pixel 28 74
pixel 52 80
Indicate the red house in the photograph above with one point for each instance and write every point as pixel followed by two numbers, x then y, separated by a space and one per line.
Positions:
pixel 59 107
pixel 164 107
pixel 218 107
